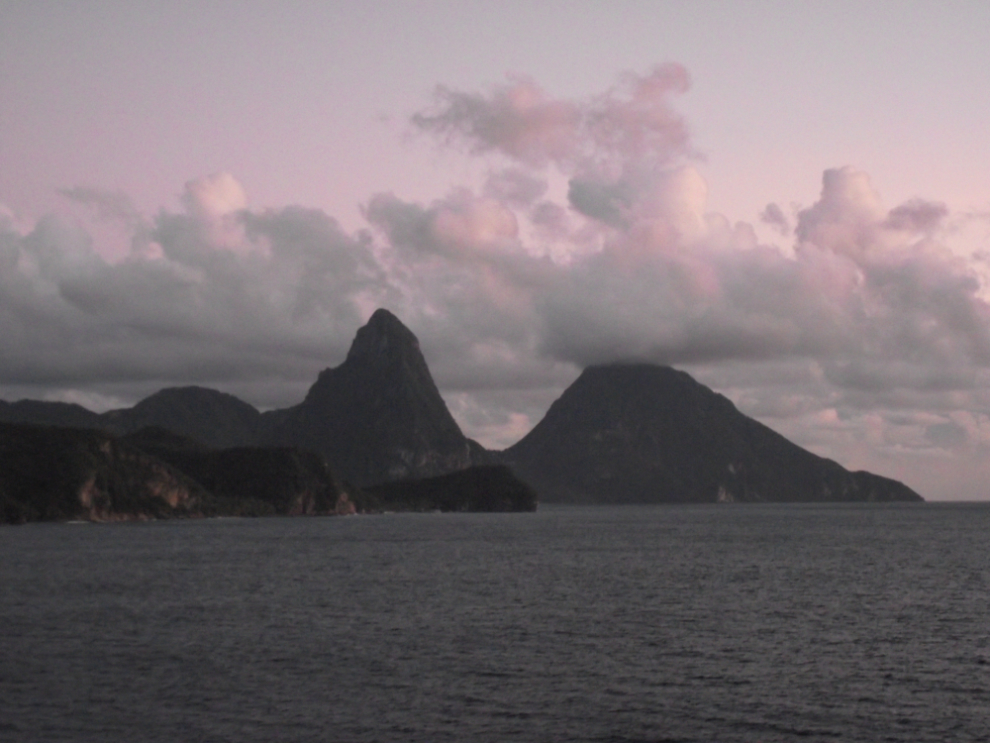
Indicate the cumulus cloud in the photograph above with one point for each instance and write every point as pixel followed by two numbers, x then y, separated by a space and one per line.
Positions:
pixel 518 120
pixel 866 334
pixel 214 196
pixel 867 292
pixel 870 296
pixel 774 216
pixel 917 215
pixel 515 187
pixel 109 205
pixel 213 293
pixel 633 120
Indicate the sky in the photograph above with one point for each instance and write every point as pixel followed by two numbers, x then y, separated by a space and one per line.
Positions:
pixel 790 201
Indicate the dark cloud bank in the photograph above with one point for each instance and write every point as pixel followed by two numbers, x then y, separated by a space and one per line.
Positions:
pixel 862 335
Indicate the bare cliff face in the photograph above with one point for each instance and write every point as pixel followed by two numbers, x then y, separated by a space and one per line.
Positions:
pixel 377 417
pixel 49 473
pixel 248 480
pixel 640 433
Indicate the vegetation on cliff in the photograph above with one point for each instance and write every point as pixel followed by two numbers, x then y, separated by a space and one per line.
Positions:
pixel 57 474
pixel 50 473
pixel 213 418
pixel 249 480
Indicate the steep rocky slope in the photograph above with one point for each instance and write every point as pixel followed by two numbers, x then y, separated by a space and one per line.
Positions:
pixel 378 416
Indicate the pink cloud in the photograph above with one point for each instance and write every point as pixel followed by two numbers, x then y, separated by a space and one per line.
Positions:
pixel 604 133
pixel 917 215
pixel 518 120
pixel 774 216
pixel 517 285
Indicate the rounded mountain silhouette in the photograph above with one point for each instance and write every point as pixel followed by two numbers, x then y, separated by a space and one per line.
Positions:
pixel 641 433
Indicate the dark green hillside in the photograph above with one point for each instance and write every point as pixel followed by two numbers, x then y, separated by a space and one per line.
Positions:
pixel 214 418
pixel 479 488
pixel 639 433
pixel 57 474
pixel 252 480
pixel 48 414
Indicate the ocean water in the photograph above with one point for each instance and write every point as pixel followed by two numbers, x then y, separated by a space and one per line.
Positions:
pixel 684 623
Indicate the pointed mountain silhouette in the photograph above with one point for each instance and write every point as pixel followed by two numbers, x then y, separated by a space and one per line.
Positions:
pixel 378 416
pixel 640 433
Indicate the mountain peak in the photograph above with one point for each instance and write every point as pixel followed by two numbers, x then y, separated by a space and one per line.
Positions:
pixel 384 335
pixel 378 416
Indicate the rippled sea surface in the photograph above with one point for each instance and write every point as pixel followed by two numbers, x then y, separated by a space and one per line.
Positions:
pixel 710 623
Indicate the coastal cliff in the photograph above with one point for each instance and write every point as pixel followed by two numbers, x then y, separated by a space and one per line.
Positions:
pixel 58 474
